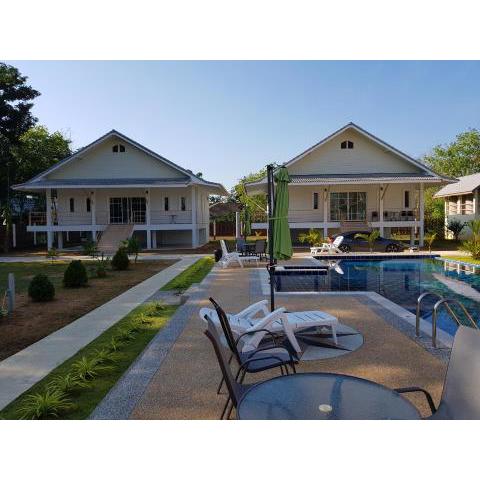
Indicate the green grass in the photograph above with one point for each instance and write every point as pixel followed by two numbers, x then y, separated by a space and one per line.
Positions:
pixel 459 258
pixel 86 399
pixel 444 244
pixel 193 274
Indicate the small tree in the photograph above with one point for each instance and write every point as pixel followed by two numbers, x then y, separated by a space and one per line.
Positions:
pixel 75 275
pixel 132 245
pixel 472 245
pixel 429 239
pixel 120 260
pixel 371 238
pixel 41 289
pixel 455 226
pixel 314 238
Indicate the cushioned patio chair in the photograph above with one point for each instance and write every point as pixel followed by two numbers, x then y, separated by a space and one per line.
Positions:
pixel 230 257
pixel 461 389
pixel 235 386
pixel 257 321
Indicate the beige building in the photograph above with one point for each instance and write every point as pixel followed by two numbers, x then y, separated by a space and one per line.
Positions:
pixel 352 177
pixel 461 202
pixel 116 181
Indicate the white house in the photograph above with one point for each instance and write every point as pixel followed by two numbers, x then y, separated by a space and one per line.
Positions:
pixel 117 185
pixel 352 179
pixel 461 201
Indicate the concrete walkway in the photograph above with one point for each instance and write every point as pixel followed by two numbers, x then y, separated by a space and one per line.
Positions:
pixel 21 371
pixel 142 256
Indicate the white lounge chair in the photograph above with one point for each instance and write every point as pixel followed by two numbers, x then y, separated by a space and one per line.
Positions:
pixel 328 247
pixel 278 321
pixel 229 257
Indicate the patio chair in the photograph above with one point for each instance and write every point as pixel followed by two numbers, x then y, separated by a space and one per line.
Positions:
pixel 333 247
pixel 461 389
pixel 229 257
pixel 278 322
pixel 261 248
pixel 265 358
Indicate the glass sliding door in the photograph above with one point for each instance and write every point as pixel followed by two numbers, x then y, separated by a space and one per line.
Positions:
pixel 127 210
pixel 346 206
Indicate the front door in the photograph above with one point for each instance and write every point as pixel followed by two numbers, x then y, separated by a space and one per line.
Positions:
pixel 127 210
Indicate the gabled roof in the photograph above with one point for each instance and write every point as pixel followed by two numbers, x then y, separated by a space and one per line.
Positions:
pixel 464 185
pixel 40 181
pixel 426 172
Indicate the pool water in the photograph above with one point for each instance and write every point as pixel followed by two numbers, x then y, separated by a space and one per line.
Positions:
pixel 399 280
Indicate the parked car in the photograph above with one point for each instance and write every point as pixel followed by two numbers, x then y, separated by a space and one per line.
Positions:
pixel 350 243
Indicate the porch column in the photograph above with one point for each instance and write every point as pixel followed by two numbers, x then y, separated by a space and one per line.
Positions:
pixel 49 218
pixel 60 240
pixel 381 193
pixel 194 217
pixel 147 217
pixel 238 232
pixel 325 212
pixel 93 214
pixel 422 215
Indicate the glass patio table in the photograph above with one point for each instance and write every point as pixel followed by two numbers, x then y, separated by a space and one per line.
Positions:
pixel 323 396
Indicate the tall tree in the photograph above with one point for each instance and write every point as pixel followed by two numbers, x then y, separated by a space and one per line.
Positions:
pixel 15 119
pixel 458 158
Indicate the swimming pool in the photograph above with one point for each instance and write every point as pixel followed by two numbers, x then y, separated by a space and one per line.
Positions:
pixel 399 280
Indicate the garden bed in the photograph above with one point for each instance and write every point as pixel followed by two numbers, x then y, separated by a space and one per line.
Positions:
pixel 130 336
pixel 32 321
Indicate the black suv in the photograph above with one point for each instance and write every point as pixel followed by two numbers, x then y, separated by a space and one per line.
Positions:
pixel 350 243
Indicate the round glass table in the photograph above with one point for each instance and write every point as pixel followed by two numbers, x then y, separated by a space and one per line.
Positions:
pixel 323 396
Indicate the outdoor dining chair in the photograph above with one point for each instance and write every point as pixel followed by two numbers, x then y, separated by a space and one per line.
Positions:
pixel 461 390
pixel 261 248
pixel 265 357
pixel 235 389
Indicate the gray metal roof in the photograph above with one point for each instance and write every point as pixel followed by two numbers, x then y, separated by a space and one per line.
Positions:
pixel 465 184
pixel 104 182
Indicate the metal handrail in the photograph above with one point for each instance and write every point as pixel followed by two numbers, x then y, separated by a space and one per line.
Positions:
pixel 419 301
pixel 445 302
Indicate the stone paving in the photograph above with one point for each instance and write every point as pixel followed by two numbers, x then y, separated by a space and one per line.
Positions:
pixel 22 370
pixel 177 376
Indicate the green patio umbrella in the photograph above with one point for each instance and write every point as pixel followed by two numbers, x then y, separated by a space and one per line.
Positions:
pixel 282 241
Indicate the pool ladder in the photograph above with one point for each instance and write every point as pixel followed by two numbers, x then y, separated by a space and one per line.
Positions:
pixel 442 302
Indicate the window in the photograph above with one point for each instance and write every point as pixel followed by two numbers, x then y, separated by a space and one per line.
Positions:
pixel 315 201
pixel 466 204
pixel 183 204
pixel 166 205
pixel 347 144
pixel 72 205
pixel 118 148
pixel 348 206
pixel 452 205
pixel 406 199
pixel 89 205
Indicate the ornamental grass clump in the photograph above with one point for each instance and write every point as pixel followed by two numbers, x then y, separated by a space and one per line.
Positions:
pixel 75 275
pixel 41 289
pixel 66 383
pixel 49 404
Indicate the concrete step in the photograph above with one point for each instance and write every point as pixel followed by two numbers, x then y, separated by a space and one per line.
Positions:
pixel 113 236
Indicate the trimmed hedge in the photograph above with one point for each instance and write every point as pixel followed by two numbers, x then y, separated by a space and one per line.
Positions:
pixel 41 289
pixel 75 275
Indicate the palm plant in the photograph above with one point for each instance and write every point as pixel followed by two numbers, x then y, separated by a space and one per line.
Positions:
pixel 472 245
pixel 455 226
pixel 132 246
pixel 314 238
pixel 429 239
pixel 371 238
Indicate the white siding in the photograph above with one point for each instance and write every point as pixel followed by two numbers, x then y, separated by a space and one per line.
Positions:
pixel 366 157
pixel 101 163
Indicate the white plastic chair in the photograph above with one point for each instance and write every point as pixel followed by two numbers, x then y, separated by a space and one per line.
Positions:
pixel 328 247
pixel 278 321
pixel 229 257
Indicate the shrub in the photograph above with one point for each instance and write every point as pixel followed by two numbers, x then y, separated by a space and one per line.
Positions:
pixel 41 289
pixel 66 383
pixel 90 248
pixel 88 368
pixel 429 239
pixel 49 404
pixel 472 245
pixel 120 260
pixel 101 271
pixel 314 238
pixel 132 246
pixel 75 275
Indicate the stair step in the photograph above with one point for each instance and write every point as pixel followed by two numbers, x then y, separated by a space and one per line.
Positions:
pixel 113 236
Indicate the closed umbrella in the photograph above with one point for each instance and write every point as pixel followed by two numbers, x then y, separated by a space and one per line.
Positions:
pixel 282 241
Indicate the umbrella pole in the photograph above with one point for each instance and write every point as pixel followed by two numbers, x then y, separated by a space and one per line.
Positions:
pixel 271 263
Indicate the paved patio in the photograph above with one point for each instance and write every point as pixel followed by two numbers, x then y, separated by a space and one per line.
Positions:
pixel 180 382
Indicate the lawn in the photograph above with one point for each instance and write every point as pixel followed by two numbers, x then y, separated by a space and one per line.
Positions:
pixel 458 258
pixel 32 321
pixel 193 274
pixel 86 398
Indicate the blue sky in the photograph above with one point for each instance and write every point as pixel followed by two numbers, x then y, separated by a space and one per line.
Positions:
pixel 227 119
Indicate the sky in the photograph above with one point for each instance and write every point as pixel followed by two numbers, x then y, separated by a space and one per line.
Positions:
pixel 227 119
